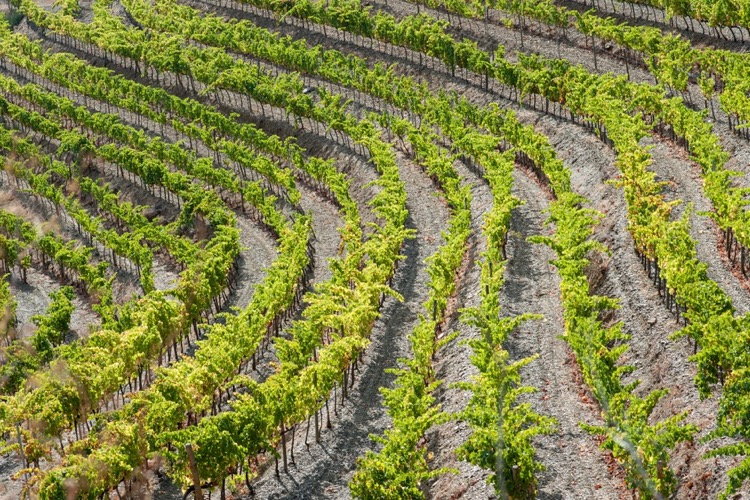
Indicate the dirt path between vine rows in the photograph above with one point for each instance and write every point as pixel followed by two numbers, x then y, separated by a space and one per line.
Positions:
pixel 659 362
pixel 323 470
pixel 533 285
pixel 673 166
pixel 452 363
pixel 32 297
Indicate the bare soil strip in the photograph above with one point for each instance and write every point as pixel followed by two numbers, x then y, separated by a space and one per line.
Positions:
pixel 659 362
pixel 323 470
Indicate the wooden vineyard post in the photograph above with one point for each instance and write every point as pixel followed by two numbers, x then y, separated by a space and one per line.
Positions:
pixel 194 471
pixel 20 451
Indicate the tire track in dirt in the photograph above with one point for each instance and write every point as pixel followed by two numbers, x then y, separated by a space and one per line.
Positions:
pixel 258 252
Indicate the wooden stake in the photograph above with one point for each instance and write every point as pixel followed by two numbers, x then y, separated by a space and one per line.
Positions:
pixel 194 471
pixel 20 450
